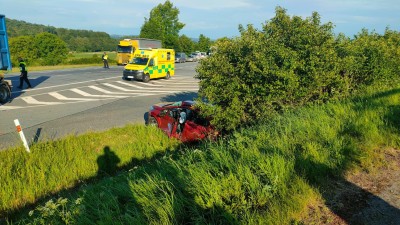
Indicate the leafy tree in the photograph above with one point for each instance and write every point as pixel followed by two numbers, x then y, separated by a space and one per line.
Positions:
pixel 163 24
pixel 204 43
pixel 42 49
pixel 22 46
pixel 50 49
pixel 153 28
pixel 185 44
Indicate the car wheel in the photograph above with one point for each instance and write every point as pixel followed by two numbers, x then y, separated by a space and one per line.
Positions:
pixel 168 76
pixel 5 93
pixel 152 122
pixel 146 78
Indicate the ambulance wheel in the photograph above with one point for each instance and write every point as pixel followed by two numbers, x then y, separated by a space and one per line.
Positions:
pixel 146 78
pixel 168 76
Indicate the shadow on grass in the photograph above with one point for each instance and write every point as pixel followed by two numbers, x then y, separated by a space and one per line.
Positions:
pixel 350 202
pixel 171 191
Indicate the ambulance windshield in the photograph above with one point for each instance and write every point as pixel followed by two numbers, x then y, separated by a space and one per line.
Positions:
pixel 139 61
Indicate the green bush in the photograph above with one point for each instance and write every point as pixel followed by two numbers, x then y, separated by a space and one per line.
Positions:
pixel 43 49
pixel 289 63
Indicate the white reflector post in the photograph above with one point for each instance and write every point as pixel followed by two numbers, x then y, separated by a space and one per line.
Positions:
pixel 21 134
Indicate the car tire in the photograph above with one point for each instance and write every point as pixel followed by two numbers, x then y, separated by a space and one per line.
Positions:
pixel 168 76
pixel 146 78
pixel 152 122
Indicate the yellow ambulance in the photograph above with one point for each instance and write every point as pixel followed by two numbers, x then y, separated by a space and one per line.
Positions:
pixel 148 64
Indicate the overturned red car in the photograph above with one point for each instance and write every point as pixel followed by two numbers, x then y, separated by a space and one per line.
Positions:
pixel 181 120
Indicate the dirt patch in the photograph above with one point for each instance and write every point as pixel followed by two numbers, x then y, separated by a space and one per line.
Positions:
pixel 362 197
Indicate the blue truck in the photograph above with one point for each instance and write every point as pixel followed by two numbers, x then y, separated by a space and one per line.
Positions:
pixel 5 62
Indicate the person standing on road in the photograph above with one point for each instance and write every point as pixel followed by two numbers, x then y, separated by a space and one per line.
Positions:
pixel 24 74
pixel 105 60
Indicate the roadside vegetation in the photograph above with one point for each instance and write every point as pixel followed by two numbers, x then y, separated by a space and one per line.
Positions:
pixel 291 62
pixel 298 107
pixel 265 174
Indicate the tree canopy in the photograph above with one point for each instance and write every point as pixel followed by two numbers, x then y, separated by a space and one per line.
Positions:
pixel 163 24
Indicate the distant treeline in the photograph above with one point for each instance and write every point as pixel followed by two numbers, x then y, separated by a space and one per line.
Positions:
pixel 76 40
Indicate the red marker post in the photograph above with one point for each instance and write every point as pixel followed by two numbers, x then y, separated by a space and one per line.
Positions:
pixel 21 134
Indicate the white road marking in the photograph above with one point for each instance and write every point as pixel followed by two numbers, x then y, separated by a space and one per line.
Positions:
pixel 62 97
pixel 160 87
pixel 146 84
pixel 132 91
pixel 3 107
pixel 130 85
pixel 136 90
pixel 90 95
pixel 63 85
pixel 176 82
pixel 31 100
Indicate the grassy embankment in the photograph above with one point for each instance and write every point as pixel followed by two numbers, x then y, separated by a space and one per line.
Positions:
pixel 266 174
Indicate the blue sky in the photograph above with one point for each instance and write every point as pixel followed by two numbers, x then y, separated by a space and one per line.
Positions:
pixel 213 18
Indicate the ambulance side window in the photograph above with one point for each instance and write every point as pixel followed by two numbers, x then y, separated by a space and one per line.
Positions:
pixel 168 55
pixel 151 63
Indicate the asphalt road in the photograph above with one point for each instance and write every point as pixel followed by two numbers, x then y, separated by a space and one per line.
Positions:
pixel 76 101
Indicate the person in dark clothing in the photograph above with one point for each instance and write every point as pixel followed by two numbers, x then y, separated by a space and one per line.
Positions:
pixel 105 60
pixel 24 74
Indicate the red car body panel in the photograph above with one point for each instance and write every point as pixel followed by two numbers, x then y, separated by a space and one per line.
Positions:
pixel 194 128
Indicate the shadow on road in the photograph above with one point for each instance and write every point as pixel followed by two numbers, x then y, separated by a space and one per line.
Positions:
pixel 16 92
pixel 182 96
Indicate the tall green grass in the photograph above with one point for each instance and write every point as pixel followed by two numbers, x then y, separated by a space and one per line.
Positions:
pixel 56 165
pixel 266 174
